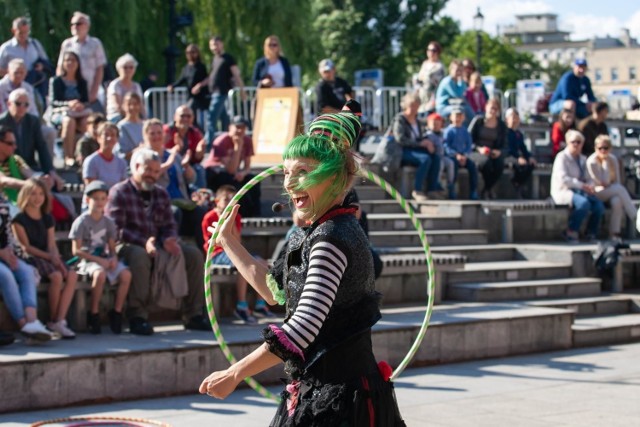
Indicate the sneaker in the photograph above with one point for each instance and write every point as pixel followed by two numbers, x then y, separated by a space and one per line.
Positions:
pixel 570 237
pixel 263 313
pixel 244 316
pixel 419 196
pixel 198 323
pixel 473 195
pixel 62 329
pixel 436 195
pixel 36 330
pixel 140 326
pixel 115 322
pixel 93 323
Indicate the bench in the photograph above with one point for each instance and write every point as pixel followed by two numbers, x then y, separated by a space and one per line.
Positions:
pixel 511 209
pixel 629 255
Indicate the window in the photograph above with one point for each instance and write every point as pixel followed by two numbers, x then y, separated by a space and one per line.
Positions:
pixel 632 73
pixel 614 74
pixel 598 74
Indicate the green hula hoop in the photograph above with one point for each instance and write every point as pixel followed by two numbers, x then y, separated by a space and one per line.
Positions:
pixel 396 196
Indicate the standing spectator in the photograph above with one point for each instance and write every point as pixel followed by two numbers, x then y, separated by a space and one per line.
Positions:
pixel 431 73
pixel 146 229
pixel 126 66
pixel 88 143
pixel 523 161
pixel 417 150
pixel 69 104
pixel 30 50
pixel 450 93
pixel 14 79
pixel 193 72
pixel 34 228
pixel 229 162
pixel 604 170
pixel 91 53
pixel 475 94
pixel 458 146
pixel 190 140
pixel 94 237
pixel 572 185
pixel 559 131
pixel 332 92
pixel 435 134
pixel 489 135
pixel 131 126
pixel 272 70
pixel 18 283
pixel 224 73
pixel 592 127
pixel 573 85
pixel 104 165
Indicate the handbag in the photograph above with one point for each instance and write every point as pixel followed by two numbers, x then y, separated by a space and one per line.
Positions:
pixel 388 154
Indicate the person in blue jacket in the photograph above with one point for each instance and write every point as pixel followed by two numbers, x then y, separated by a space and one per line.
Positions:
pixel 450 93
pixel 272 70
pixel 573 85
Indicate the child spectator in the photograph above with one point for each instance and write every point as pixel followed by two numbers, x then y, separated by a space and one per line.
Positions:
pixel 559 129
pixel 103 165
pixel 34 229
pixel 131 126
pixel 18 283
pixel 457 146
pixel 475 93
pixel 94 242
pixel 523 162
pixel 435 123
pixel 224 194
pixel 88 143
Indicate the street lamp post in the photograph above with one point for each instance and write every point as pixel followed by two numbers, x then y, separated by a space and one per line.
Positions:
pixel 478 22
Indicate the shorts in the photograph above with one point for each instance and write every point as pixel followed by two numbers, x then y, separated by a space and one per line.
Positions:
pixel 45 267
pixel 89 268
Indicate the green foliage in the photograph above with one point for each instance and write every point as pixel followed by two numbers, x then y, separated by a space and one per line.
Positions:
pixel 554 71
pixel 498 59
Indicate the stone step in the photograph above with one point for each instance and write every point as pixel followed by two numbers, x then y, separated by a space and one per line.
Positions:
pixel 126 367
pixel 523 289
pixel 595 306
pixel 402 221
pixel 483 253
pixel 503 271
pixel 604 330
pixel 434 237
pixel 371 206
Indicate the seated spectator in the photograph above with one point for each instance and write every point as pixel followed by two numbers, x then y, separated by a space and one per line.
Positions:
pixel 332 92
pixel 573 85
pixel 523 161
pixel 435 134
pixel 604 170
pixel 559 130
pixel 417 150
pixel 94 243
pixel 88 143
pixel 146 231
pixel 69 104
pixel 176 175
pixel 15 79
pixel 593 126
pixel 229 162
pixel 126 66
pixel 450 93
pixel 489 135
pixel 572 185
pixel 34 229
pixel 224 194
pixel 458 147
pixel 18 283
pixel 272 70
pixel 475 94
pixel 193 72
pixel 468 68
pixel 431 73
pixel 131 126
pixel 189 139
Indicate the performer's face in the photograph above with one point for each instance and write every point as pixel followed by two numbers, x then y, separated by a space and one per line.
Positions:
pixel 311 202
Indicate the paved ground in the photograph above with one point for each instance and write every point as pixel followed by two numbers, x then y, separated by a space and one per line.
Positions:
pixel 584 387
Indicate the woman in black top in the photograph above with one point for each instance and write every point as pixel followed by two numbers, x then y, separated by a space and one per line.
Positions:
pixel 489 135
pixel 193 73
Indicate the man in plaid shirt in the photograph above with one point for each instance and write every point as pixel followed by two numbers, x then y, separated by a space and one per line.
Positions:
pixel 142 213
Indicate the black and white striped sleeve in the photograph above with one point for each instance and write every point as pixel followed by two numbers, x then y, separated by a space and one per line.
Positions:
pixel 327 264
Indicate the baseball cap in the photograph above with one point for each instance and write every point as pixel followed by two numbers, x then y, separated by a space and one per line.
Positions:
pixel 457 109
pixel 326 65
pixel 95 186
pixel 434 116
pixel 239 120
pixel 581 62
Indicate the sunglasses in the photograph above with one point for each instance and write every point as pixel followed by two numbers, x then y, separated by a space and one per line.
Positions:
pixel 21 104
pixel 273 45
pixel 77 24
pixel 128 67
pixel 186 116
pixel 604 148
pixel 432 50
pixel 9 143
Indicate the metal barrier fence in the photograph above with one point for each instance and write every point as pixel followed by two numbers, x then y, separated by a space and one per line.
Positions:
pixel 387 105
pixel 161 103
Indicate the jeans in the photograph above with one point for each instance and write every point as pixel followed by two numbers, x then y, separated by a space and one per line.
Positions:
pixel 217 110
pixel 18 288
pixel 473 176
pixel 583 204
pixel 428 168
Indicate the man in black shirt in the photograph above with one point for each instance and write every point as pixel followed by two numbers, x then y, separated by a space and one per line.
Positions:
pixel 331 92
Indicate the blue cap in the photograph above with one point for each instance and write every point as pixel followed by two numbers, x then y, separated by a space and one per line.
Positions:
pixel 581 62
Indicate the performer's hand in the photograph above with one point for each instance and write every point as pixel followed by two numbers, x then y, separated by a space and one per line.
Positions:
pixel 219 384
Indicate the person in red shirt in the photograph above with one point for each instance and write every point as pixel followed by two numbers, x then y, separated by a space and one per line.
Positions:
pixel 190 140
pixel 224 194
pixel 559 129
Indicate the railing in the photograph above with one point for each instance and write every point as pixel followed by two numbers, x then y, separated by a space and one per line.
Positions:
pixel 387 105
pixel 161 103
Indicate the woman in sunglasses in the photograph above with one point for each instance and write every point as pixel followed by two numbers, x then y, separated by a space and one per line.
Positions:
pixel 604 169
pixel 272 70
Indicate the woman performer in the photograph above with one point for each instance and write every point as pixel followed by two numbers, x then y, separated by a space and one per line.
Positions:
pixel 326 279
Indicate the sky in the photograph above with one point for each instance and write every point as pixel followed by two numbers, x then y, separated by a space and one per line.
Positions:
pixel 583 18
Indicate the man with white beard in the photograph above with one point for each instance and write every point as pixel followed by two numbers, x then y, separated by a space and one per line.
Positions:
pixel 147 231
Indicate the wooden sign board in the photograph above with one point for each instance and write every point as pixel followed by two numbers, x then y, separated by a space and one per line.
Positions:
pixel 276 123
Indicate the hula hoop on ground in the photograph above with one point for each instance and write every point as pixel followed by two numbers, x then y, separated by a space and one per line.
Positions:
pixel 89 421
pixel 396 196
